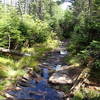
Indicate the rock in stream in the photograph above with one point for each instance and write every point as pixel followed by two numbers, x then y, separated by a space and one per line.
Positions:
pixel 39 91
pixel 38 88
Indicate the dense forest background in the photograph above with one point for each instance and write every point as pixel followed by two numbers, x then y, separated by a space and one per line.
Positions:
pixel 37 26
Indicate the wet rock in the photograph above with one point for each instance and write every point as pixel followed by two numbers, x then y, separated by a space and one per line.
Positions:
pixel 66 75
pixel 60 78
pixel 58 67
pixel 62 94
pixel 35 87
pixel 41 91
pixel 63 52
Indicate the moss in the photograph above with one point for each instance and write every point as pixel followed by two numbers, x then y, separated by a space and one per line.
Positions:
pixel 78 96
pixel 3 74
pixel 91 94
pixel 2 98
pixel 4 84
pixel 7 61
pixel 71 60
pixel 83 93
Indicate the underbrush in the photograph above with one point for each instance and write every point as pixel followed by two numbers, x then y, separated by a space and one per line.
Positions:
pixel 87 56
pixel 86 94
pixel 90 53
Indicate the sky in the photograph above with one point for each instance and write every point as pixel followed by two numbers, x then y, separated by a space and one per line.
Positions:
pixel 65 5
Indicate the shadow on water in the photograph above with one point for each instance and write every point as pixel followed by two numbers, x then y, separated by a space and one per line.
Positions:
pixel 35 91
pixel 38 88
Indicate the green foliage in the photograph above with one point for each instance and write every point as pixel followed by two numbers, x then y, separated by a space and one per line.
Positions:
pixel 3 72
pixel 8 68
pixel 1 97
pixel 65 88
pixel 94 50
pixel 86 93
pixel 91 52
pixel 86 24
pixel 11 69
pixel 17 31
pixel 97 64
pixel 21 31
pixel 41 31
pixel 78 96
pixel 67 24
pixel 34 31
pixel 9 24
pixel 93 95
pixel 83 57
pixel 95 44
pixel 85 41
pixel 31 32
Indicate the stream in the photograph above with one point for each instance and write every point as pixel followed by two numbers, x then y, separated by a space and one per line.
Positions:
pixel 39 88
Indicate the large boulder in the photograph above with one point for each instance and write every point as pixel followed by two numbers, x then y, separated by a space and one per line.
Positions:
pixel 66 75
pixel 60 78
pixel 31 89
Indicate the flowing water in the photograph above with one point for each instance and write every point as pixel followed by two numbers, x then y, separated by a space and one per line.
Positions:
pixel 33 89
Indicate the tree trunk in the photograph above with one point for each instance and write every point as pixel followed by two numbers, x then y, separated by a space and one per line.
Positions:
pixel 3 50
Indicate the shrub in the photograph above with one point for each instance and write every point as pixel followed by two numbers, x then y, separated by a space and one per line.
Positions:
pixel 83 57
pixel 9 24
pixel 34 30
pixel 24 31
pixel 91 52
pixel 94 49
pixel 41 31
pixel 67 24
pixel 78 96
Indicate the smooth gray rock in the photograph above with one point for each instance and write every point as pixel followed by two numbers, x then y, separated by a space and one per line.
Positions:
pixel 60 78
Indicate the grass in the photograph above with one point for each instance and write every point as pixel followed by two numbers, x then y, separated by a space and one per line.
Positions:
pixel 2 98
pixel 78 96
pixel 86 93
pixel 91 94
pixel 11 68
pixel 94 77
pixel 71 60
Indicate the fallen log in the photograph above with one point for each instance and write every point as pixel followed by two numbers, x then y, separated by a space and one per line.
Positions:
pixel 82 77
pixel 3 50
pixel 80 80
